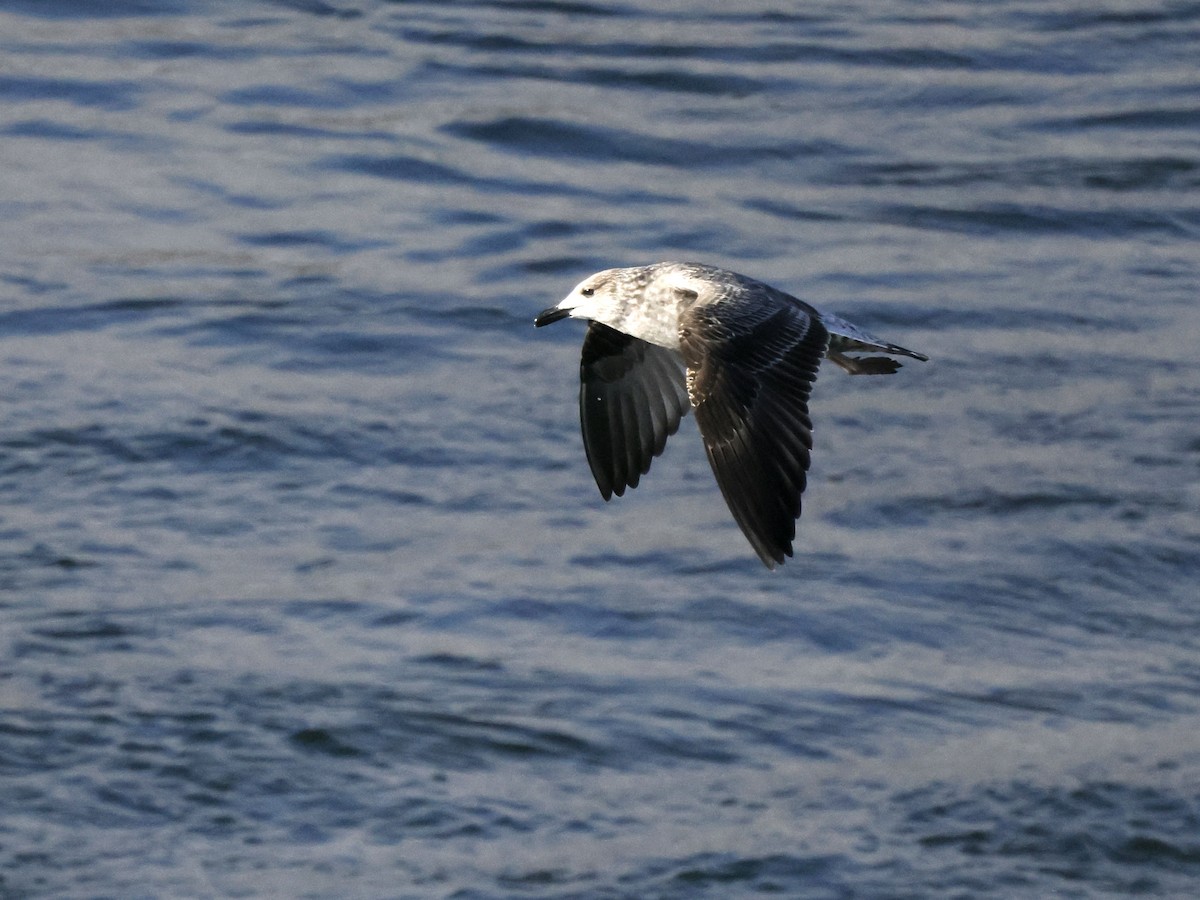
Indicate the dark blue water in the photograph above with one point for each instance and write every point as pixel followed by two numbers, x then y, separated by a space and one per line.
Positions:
pixel 305 589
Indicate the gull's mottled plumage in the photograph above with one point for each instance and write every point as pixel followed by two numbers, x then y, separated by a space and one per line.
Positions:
pixel 743 355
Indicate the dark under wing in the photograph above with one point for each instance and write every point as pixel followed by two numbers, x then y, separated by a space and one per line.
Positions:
pixel 631 398
pixel 749 381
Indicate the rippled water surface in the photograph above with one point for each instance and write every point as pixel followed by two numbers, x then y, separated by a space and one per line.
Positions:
pixel 305 588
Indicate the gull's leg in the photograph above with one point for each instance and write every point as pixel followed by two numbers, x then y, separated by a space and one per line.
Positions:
pixel 864 365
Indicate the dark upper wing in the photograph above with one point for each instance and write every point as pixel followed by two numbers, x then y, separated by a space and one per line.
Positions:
pixel 631 398
pixel 750 372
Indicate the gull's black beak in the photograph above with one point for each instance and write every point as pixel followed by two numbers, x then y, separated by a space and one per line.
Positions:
pixel 553 314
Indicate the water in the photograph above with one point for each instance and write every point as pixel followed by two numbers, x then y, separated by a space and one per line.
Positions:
pixel 305 589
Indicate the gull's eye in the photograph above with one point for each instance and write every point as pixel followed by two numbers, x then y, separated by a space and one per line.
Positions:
pixel 587 292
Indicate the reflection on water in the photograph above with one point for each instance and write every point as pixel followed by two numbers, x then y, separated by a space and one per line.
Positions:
pixel 306 590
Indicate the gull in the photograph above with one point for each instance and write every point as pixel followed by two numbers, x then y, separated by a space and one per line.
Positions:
pixel 740 354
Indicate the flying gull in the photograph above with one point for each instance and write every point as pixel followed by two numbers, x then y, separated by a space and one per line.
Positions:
pixel 742 354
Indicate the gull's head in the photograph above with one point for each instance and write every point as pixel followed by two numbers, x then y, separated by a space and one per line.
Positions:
pixel 602 297
pixel 644 302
